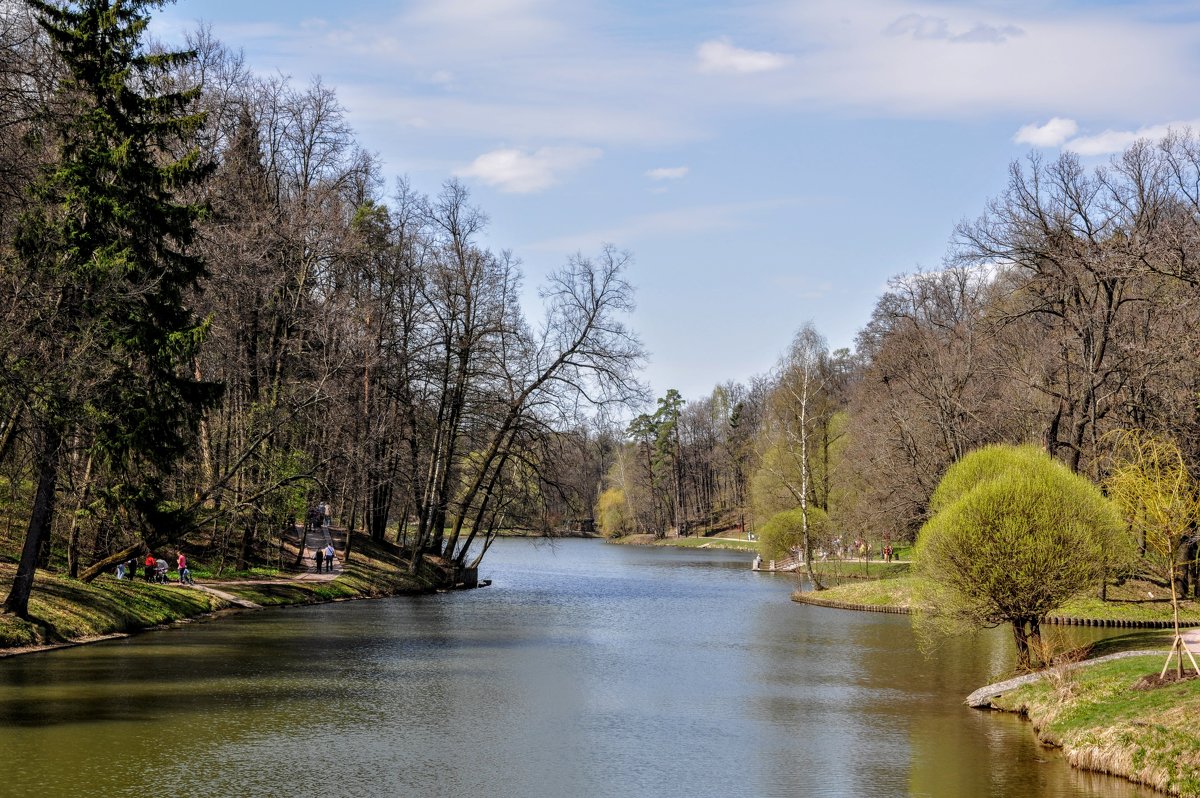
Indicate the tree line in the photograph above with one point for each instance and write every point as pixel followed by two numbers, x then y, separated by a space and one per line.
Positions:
pixel 1065 315
pixel 215 313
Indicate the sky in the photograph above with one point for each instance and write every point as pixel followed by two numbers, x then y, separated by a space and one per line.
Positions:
pixel 767 163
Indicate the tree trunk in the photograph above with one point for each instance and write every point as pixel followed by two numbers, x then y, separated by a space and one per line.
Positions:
pixel 108 562
pixel 1037 653
pixel 247 546
pixel 40 522
pixel 1021 638
pixel 73 538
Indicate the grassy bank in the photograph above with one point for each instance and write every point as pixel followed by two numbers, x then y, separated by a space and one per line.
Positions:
pixel 686 543
pixel 1105 719
pixel 1106 716
pixel 1128 602
pixel 370 573
pixel 898 592
pixel 67 611
pixel 873 570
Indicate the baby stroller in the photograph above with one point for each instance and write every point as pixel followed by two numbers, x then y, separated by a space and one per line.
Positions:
pixel 160 571
pixel 185 576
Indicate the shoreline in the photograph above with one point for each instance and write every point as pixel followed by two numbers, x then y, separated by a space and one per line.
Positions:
pixel 1108 713
pixel 1053 620
pixel 693 542
pixel 1111 715
pixel 372 574
pixel 67 613
pixel 227 609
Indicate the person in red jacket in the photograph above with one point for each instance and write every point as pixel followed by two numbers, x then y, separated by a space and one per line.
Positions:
pixel 150 561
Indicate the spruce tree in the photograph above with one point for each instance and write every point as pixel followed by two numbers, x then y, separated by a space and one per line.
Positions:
pixel 107 267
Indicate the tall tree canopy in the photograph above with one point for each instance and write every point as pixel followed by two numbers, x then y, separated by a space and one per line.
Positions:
pixel 104 268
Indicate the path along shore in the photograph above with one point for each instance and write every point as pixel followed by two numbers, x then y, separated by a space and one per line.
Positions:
pixel 984 696
pixel 70 613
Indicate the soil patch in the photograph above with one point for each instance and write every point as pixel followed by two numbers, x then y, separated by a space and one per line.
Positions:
pixel 1152 681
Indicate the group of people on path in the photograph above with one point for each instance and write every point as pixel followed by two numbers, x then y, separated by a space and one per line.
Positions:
pixel 319 515
pixel 155 569
pixel 324 556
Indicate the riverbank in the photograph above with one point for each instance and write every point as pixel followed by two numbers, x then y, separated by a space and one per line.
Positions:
pixel 1131 604
pixel 1115 717
pixel 69 612
pixel 1109 715
pixel 731 544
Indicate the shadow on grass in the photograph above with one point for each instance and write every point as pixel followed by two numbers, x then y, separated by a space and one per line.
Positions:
pixel 1144 640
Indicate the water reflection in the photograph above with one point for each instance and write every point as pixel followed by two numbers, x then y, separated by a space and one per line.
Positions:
pixel 586 670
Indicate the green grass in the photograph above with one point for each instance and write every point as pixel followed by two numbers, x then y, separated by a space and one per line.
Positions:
pixel 1132 600
pixel 1141 640
pixel 1102 723
pixel 876 569
pixel 367 575
pixel 903 590
pixel 895 591
pixel 709 543
pixel 686 543
pixel 1092 607
pixel 203 571
pixel 65 610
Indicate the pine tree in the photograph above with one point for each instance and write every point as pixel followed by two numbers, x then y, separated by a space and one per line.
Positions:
pixel 106 264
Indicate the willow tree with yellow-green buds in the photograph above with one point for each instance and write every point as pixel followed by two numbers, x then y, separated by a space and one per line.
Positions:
pixel 1014 535
pixel 1160 500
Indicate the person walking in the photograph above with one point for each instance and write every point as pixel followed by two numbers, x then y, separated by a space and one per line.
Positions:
pixel 150 563
pixel 329 558
pixel 319 555
pixel 185 576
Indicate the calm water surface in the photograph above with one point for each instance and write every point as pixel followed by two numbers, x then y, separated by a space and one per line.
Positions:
pixel 585 670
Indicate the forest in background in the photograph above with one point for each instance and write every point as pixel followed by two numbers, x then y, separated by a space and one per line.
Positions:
pixel 333 337
pixel 216 314
pixel 1065 315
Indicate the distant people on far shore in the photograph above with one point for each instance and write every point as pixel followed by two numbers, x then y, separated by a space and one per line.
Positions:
pixel 319 556
pixel 329 558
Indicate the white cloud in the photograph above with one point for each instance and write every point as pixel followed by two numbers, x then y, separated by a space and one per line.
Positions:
pixel 518 172
pixel 466 113
pixel 1041 57
pixel 719 55
pixel 921 26
pixel 498 24
pixel 536 71
pixel 667 173
pixel 1114 141
pixel 1051 134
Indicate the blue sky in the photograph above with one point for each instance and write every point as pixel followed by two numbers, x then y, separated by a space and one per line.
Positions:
pixel 768 163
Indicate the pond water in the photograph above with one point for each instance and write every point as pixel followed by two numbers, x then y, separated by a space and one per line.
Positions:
pixel 585 670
